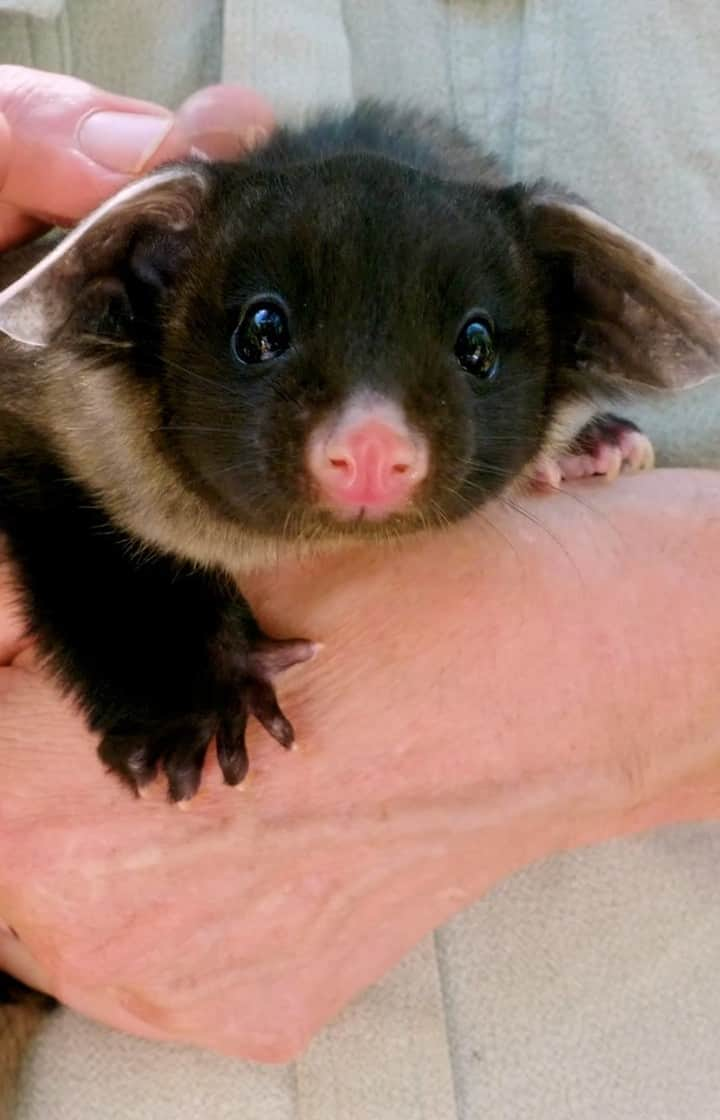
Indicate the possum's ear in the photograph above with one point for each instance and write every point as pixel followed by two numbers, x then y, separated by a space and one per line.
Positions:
pixel 139 233
pixel 622 313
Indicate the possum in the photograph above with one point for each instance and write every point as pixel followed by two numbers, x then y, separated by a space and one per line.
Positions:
pixel 361 329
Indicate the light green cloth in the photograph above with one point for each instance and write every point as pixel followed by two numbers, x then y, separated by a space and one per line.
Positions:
pixel 585 988
pixel 45 9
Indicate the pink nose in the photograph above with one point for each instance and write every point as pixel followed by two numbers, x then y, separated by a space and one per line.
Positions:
pixel 370 464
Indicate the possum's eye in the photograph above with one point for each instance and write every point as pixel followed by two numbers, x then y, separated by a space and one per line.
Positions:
pixel 475 347
pixel 262 333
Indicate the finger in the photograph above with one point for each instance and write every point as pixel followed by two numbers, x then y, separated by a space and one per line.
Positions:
pixel 70 145
pixel 16 227
pixel 12 631
pixel 16 959
pixel 66 145
pixel 226 120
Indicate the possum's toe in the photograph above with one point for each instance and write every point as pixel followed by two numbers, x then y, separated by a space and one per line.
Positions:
pixel 606 446
pixel 238 685
pixel 177 748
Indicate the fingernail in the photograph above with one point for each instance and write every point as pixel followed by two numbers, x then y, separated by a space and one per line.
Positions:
pixel 122 142
pixel 253 137
pixel 221 143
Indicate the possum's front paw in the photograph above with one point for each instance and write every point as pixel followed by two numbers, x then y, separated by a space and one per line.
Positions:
pixel 606 446
pixel 236 685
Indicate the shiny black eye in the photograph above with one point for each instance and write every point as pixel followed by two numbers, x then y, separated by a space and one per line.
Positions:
pixel 262 333
pixel 475 347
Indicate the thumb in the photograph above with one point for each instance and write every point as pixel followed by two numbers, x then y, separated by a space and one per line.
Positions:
pixel 14 225
pixel 65 145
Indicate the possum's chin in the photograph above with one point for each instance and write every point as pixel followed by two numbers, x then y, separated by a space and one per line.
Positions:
pixel 310 524
pixel 316 527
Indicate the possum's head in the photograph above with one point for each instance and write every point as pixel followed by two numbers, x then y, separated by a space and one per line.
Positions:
pixel 339 345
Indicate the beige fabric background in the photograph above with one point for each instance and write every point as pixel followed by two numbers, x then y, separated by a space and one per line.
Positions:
pixel 585 988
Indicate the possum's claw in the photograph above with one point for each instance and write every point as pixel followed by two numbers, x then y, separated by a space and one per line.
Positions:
pixel 240 686
pixel 606 446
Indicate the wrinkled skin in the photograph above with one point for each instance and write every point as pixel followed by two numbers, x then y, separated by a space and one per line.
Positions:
pixel 247 921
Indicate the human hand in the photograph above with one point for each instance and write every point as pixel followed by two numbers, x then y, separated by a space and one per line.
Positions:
pixel 66 145
pixel 485 697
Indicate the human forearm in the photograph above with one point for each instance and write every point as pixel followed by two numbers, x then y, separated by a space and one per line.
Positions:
pixel 484 698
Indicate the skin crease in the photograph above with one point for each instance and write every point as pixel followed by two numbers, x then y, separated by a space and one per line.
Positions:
pixel 246 922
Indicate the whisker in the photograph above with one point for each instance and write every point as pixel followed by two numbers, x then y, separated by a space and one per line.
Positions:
pixel 482 515
pixel 222 386
pixel 514 505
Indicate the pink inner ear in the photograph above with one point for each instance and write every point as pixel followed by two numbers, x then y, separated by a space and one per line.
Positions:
pixel 38 303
